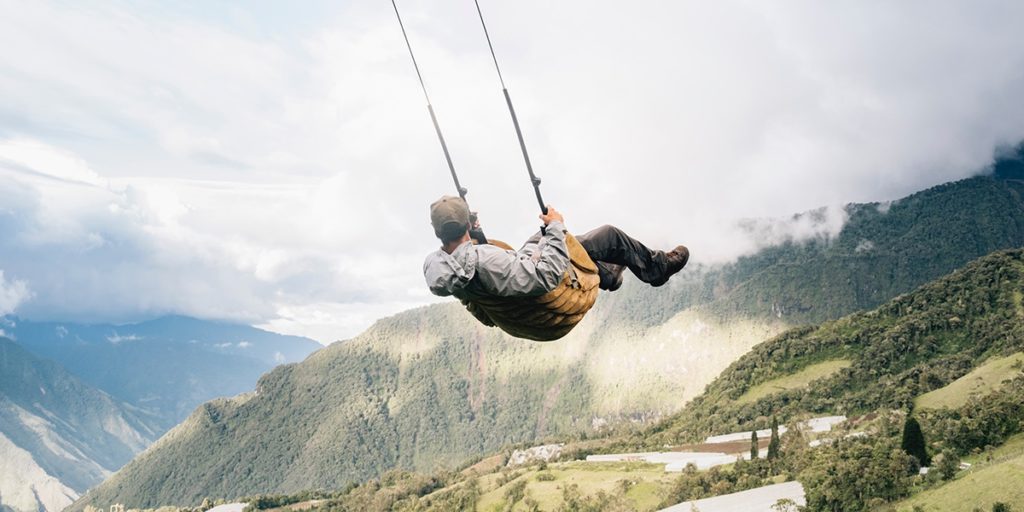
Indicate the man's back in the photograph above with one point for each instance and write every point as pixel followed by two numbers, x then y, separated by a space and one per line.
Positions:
pixel 485 270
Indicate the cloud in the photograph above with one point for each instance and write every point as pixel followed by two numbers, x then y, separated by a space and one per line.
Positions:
pixel 12 293
pixel 274 165
pixel 142 247
pixel 822 223
pixel 116 338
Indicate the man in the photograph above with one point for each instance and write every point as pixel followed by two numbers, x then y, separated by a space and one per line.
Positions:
pixel 466 270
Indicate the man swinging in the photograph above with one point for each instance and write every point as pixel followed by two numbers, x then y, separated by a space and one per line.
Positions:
pixel 470 271
pixel 544 289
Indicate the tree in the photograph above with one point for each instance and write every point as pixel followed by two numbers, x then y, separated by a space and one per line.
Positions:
pixel 913 441
pixel 774 444
pixel 856 474
pixel 947 464
pixel 753 445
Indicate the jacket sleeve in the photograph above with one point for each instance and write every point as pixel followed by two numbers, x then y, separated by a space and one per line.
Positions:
pixel 509 273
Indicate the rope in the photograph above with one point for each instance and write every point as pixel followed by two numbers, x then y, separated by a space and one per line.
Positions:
pixel 411 54
pixel 489 45
pixel 430 108
pixel 534 180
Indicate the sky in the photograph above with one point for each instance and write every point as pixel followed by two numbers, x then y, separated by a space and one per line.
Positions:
pixel 272 163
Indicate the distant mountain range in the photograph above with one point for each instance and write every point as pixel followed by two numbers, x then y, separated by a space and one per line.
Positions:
pixel 430 387
pixel 58 435
pixel 79 401
pixel 166 366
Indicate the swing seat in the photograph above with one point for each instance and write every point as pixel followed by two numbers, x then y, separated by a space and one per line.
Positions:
pixel 546 317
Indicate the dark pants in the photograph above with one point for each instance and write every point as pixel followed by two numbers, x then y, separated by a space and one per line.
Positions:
pixel 613 251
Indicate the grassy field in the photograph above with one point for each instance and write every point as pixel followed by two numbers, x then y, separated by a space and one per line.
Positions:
pixel 796 380
pixel 980 381
pixel 646 484
pixel 981 486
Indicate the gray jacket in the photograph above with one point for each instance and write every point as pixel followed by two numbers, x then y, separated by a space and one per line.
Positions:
pixel 486 270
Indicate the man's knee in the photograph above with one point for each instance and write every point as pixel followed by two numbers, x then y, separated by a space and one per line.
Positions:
pixel 610 275
pixel 602 242
pixel 611 282
pixel 605 232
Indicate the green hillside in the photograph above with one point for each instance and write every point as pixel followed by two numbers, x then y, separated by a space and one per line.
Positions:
pixel 979 382
pixel 798 380
pixel 636 484
pixel 914 344
pixel 429 388
pixel 996 477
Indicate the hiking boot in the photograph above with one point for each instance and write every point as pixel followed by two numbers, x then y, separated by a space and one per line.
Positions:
pixel 675 260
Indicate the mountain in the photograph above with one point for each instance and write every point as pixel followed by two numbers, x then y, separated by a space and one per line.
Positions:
pixel 58 435
pixel 430 387
pixel 166 366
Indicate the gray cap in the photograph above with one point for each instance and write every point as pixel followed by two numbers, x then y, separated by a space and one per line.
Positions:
pixel 449 211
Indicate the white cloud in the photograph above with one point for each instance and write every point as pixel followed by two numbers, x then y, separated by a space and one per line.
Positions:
pixel 822 223
pixel 274 166
pixel 335 321
pixel 117 338
pixel 12 294
pixel 33 156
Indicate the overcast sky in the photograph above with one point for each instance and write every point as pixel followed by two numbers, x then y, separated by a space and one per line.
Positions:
pixel 272 162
